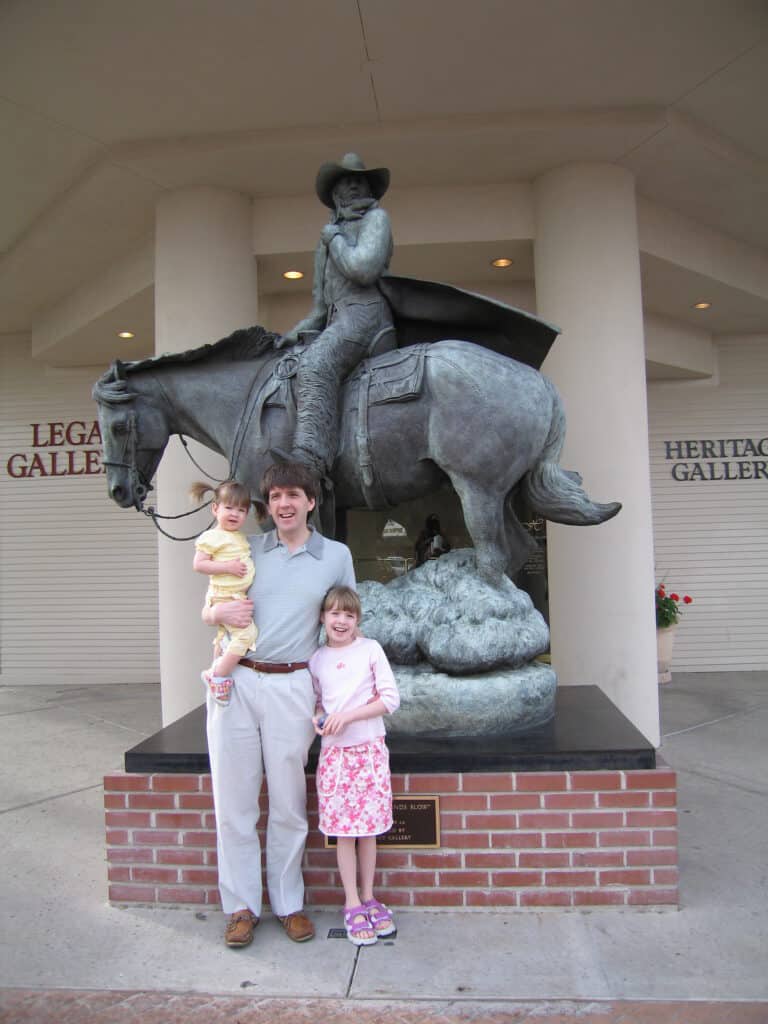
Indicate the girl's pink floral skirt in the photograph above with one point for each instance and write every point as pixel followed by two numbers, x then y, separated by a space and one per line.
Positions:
pixel 354 790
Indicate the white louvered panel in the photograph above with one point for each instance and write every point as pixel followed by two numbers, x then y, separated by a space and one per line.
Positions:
pixel 742 360
pixel 78 594
pixel 711 537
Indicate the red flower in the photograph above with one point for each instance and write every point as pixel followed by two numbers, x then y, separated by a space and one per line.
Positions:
pixel 674 597
pixel 687 600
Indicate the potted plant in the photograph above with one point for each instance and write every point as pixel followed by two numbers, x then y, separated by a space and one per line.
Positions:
pixel 668 612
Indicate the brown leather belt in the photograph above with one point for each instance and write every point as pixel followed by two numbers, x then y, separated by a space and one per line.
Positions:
pixel 271 666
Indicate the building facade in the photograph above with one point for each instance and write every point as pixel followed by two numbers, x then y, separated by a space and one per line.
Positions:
pixel 626 185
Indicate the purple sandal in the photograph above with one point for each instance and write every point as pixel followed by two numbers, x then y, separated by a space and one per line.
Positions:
pixel 354 928
pixel 380 917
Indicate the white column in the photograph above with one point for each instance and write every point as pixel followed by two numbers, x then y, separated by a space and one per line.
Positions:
pixel 205 288
pixel 600 577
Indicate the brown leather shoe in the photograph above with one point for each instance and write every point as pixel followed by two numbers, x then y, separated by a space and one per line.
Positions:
pixel 239 930
pixel 298 927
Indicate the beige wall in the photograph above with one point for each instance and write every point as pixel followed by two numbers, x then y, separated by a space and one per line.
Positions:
pixel 711 536
pixel 78 597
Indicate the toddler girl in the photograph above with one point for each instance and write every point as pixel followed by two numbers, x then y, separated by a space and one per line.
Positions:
pixel 223 553
pixel 355 687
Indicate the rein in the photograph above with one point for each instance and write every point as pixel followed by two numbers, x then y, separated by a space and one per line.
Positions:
pixel 150 511
pixel 142 486
pixel 198 466
pixel 154 516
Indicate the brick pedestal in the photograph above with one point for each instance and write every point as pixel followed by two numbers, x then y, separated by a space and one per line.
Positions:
pixel 508 839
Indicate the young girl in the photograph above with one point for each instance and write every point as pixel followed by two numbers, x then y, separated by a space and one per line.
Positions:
pixel 223 553
pixel 355 687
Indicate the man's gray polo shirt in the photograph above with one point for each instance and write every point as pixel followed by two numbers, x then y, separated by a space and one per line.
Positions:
pixel 288 591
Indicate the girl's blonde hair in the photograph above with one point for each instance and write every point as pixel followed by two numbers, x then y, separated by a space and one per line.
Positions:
pixel 230 492
pixel 345 599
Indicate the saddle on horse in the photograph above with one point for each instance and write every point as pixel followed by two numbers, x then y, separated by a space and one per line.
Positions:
pixel 395 376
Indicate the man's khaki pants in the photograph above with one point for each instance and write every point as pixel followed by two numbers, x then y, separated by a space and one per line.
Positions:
pixel 266 728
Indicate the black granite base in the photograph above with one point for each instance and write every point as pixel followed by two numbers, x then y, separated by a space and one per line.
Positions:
pixel 588 733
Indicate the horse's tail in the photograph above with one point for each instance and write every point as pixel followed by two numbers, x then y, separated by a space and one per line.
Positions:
pixel 556 493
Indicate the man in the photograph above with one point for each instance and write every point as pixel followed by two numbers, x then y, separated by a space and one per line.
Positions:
pixel 267 726
pixel 349 311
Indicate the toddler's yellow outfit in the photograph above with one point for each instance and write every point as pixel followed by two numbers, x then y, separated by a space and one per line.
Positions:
pixel 226 546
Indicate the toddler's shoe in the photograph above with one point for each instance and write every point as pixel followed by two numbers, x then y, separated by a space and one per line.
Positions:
pixel 219 686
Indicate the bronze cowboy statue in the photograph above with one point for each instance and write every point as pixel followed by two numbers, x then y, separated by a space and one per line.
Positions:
pixel 350 318
pixel 360 311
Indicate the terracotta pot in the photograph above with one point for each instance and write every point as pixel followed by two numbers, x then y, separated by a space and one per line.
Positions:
pixel 665 642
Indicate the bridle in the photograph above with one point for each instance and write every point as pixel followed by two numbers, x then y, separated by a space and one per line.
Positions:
pixel 140 486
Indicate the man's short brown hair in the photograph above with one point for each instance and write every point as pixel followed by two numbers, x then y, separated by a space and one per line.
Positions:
pixel 289 474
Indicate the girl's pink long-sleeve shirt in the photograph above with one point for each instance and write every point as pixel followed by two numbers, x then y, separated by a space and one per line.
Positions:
pixel 348 677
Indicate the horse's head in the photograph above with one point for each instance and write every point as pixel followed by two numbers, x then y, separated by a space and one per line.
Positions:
pixel 134 433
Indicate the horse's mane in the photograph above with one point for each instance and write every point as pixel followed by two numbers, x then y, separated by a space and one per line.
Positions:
pixel 244 344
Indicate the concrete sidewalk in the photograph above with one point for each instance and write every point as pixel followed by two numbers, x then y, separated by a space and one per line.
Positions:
pixel 59 933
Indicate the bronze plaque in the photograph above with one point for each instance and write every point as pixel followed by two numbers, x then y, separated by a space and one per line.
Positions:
pixel 415 825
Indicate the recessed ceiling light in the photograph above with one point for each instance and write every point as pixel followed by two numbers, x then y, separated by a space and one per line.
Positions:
pixel 502 262
pixel 126 335
pixel 702 305
pixel 293 275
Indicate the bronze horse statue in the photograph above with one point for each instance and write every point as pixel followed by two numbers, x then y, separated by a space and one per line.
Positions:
pixel 413 420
